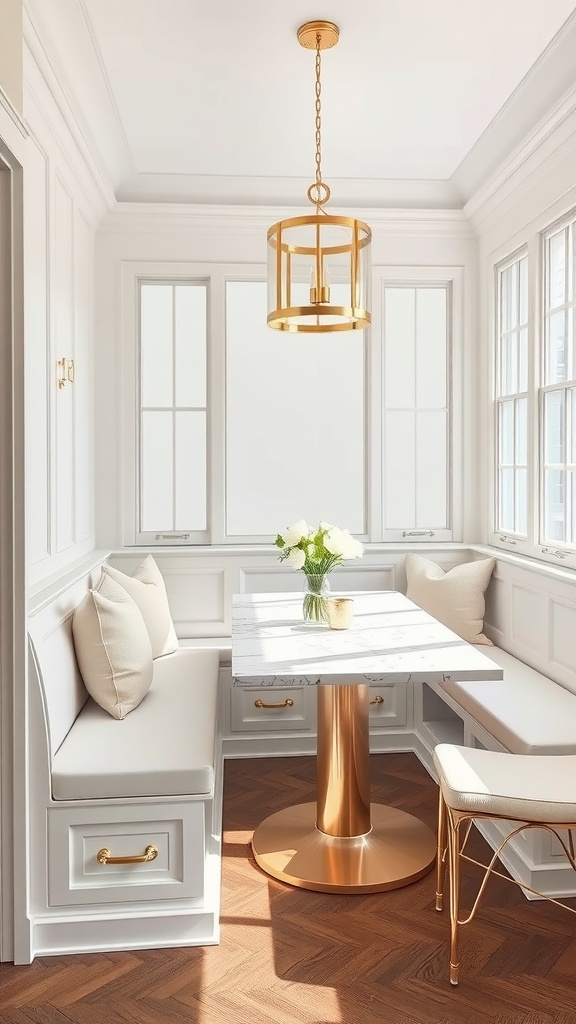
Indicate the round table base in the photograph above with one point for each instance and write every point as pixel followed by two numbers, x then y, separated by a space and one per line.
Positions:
pixel 398 850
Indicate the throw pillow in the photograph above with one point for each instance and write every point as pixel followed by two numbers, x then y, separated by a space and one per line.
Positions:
pixel 146 587
pixel 112 648
pixel 455 598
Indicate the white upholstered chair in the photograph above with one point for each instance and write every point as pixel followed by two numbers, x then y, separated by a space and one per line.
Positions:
pixel 531 790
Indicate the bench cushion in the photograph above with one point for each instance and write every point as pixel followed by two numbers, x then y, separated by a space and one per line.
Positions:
pixel 165 747
pixel 526 712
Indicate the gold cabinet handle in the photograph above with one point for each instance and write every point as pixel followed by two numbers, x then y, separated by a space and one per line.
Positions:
pixel 288 703
pixel 377 700
pixel 105 857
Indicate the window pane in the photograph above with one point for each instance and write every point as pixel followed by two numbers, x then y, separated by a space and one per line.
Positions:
pixel 522 432
pixel 507 432
pixel 556 269
pixel 190 345
pixel 554 428
pixel 506 500
pixel 523 360
pixel 156 472
pixel 553 505
pixel 509 298
pixel 294 420
pixel 521 501
pixel 190 466
pixel 156 344
pixel 431 342
pixel 556 348
pixel 571 399
pixel 509 364
pixel 523 285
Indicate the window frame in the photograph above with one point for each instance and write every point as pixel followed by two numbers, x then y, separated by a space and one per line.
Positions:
pixel 216 275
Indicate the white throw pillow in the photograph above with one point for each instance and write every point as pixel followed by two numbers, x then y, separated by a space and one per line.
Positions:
pixel 455 598
pixel 112 648
pixel 146 587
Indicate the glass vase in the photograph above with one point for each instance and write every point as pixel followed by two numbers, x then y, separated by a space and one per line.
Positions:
pixel 314 605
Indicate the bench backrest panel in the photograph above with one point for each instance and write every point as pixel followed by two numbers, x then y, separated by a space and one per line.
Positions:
pixel 52 646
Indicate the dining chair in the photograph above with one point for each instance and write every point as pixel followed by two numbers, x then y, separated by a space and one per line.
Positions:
pixel 524 790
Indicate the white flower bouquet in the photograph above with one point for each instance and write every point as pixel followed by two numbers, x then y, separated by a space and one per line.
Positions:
pixel 315 552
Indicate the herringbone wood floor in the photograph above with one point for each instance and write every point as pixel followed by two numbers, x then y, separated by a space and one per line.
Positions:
pixel 294 957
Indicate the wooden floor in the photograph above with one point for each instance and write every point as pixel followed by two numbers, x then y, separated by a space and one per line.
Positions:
pixel 293 957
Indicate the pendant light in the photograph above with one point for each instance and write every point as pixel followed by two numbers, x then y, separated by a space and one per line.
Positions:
pixel 319 265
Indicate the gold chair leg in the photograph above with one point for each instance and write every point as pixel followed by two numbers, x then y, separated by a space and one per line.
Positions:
pixel 454 879
pixel 442 852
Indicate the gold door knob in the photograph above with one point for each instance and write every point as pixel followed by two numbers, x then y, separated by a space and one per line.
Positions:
pixel 377 700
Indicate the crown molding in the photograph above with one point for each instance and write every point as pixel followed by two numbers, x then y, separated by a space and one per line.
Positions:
pixel 235 190
pixel 182 218
pixel 537 149
pixel 102 196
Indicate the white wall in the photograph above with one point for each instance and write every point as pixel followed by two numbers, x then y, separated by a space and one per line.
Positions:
pixel 185 234
pixel 11 51
pixel 63 207
pixel 535 187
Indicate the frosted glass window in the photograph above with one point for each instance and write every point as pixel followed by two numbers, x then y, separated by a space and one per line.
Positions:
pixel 190 475
pixel 190 346
pixel 173 409
pixel 157 471
pixel 156 351
pixel 557 403
pixel 511 387
pixel 416 418
pixel 294 422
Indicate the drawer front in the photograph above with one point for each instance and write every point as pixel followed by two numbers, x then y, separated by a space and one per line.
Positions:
pixel 272 709
pixel 77 836
pixel 388 704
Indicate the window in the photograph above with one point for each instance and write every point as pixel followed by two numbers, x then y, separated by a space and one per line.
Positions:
pixel 535 397
pixel 416 415
pixel 558 393
pixel 511 428
pixel 231 431
pixel 172 461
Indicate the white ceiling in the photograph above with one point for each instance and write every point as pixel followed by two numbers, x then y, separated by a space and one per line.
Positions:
pixel 213 100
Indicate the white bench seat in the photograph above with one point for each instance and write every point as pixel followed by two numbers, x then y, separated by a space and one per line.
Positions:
pixel 527 712
pixel 165 747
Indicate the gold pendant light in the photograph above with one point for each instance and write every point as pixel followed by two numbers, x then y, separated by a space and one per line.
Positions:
pixel 319 265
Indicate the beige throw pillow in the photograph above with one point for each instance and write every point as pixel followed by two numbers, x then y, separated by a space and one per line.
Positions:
pixel 146 587
pixel 455 598
pixel 112 648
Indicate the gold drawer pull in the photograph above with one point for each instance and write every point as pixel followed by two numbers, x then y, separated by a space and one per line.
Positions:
pixel 377 700
pixel 105 857
pixel 288 703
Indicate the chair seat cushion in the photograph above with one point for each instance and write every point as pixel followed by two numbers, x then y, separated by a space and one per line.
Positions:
pixel 520 786
pixel 526 712
pixel 165 747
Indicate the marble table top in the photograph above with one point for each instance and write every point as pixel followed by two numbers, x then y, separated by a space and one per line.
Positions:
pixel 390 640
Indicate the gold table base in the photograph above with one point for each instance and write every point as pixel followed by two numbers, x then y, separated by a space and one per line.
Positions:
pixel 397 850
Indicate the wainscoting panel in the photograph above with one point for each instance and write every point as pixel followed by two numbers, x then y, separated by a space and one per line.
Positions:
pixel 527 609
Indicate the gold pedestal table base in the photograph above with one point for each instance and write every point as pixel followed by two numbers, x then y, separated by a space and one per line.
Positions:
pixel 343 843
pixel 398 850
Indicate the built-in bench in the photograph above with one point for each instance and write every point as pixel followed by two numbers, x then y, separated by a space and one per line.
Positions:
pixel 527 713
pixel 125 816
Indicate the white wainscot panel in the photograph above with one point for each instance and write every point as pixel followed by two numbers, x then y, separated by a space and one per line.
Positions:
pixel 63 302
pixel 82 387
pixel 197 600
pixel 39 375
pixel 495 616
pixel 274 580
pixel 527 613
pixel 562 654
